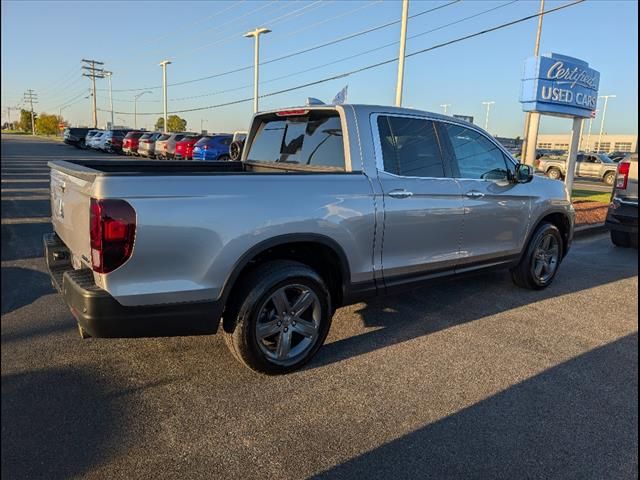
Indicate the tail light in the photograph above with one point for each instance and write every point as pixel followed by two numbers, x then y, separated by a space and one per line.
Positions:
pixel 623 175
pixel 112 229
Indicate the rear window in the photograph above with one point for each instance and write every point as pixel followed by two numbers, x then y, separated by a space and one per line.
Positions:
pixel 134 135
pixel 163 137
pixel 203 141
pixel 313 140
pixel 146 136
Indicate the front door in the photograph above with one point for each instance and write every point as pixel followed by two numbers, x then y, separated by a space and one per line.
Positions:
pixel 496 210
pixel 423 207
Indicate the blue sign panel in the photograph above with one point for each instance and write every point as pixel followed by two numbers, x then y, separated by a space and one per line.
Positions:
pixel 559 85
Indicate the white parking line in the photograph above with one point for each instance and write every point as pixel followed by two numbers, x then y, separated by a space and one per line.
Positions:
pixel 17 221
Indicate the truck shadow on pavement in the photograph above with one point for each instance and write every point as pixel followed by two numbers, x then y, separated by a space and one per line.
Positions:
pixel 22 286
pixel 566 422
pixel 456 301
pixel 61 422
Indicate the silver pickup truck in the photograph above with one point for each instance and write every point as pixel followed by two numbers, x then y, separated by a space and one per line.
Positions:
pixel 328 206
pixel 596 166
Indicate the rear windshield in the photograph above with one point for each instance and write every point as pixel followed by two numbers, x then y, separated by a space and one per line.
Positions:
pixel 178 138
pixel 164 136
pixel 134 135
pixel 314 139
pixel 203 141
pixel 146 136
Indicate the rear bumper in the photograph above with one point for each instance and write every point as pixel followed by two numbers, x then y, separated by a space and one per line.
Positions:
pixel 102 316
pixel 622 216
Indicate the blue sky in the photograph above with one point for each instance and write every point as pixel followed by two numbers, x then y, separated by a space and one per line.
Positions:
pixel 205 38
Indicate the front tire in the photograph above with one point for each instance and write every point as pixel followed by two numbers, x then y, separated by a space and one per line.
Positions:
pixel 554 174
pixel 278 317
pixel 539 263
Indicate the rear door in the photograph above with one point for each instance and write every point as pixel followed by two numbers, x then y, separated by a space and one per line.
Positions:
pixel 423 207
pixel 496 210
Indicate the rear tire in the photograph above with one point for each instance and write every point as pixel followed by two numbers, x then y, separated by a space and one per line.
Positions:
pixel 262 328
pixel 224 158
pixel 540 262
pixel 620 239
pixel 609 178
pixel 554 174
pixel 235 150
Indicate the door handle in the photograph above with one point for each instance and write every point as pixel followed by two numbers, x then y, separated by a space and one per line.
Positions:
pixel 474 194
pixel 400 194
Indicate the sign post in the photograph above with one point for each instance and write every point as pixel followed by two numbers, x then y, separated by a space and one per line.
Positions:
pixel 561 86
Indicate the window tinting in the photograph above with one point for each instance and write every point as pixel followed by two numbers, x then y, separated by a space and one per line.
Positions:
pixel 476 155
pixel 410 147
pixel 314 140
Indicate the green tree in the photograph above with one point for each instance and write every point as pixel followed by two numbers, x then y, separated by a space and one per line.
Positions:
pixel 176 124
pixel 25 120
pixel 159 126
pixel 47 124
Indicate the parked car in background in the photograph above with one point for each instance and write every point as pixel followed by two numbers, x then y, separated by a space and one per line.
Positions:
pixel 184 147
pixel 75 136
pixel 617 156
pixel 160 148
pixel 88 139
pixel 95 139
pixel 213 147
pixel 588 165
pixel 147 144
pixel 113 142
pixel 130 142
pixel 622 216
pixel 161 243
pixel 170 148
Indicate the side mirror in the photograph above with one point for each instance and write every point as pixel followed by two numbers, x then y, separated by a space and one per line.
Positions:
pixel 523 173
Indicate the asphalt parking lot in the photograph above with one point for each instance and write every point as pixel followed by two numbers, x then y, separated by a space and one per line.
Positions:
pixel 470 378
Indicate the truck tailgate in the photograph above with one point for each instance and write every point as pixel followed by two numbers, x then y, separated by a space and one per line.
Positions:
pixel 70 207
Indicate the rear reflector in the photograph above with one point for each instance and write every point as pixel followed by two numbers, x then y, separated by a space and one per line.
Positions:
pixel 112 229
pixel 290 113
pixel 623 175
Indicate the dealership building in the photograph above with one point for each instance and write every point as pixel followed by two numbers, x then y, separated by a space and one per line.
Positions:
pixel 610 143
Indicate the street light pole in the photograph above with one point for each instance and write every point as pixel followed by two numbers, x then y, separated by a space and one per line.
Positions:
pixel 445 106
pixel 588 149
pixel 108 74
pixel 164 64
pixel 401 53
pixel 135 108
pixel 486 120
pixel 202 120
pixel 256 62
pixel 604 114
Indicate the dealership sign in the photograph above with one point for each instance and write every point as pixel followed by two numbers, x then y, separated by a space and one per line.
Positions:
pixel 559 85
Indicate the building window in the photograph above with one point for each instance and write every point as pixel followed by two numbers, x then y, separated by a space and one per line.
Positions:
pixel 604 148
pixel 622 147
pixel 544 145
pixel 562 146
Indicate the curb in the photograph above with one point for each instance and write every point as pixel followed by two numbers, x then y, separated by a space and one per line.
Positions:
pixel 588 230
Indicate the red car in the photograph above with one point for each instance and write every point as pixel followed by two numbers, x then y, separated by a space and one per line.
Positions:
pixel 130 142
pixel 184 148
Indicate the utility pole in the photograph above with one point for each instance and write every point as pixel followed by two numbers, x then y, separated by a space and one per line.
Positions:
pixel 93 73
pixel 532 119
pixel 486 120
pixel 604 114
pixel 108 74
pixel 30 96
pixel 445 106
pixel 256 62
pixel 164 64
pixel 202 120
pixel 401 53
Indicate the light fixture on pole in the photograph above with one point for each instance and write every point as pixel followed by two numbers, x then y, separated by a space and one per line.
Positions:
pixel 164 64
pixel 135 108
pixel 445 106
pixel 108 74
pixel 486 119
pixel 256 62
pixel 604 114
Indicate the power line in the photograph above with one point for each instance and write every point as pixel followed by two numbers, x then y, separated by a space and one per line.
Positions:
pixel 299 52
pixel 31 97
pixel 333 62
pixel 375 65
pixel 93 73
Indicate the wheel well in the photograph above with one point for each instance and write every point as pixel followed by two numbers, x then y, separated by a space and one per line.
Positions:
pixel 562 223
pixel 608 172
pixel 319 256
